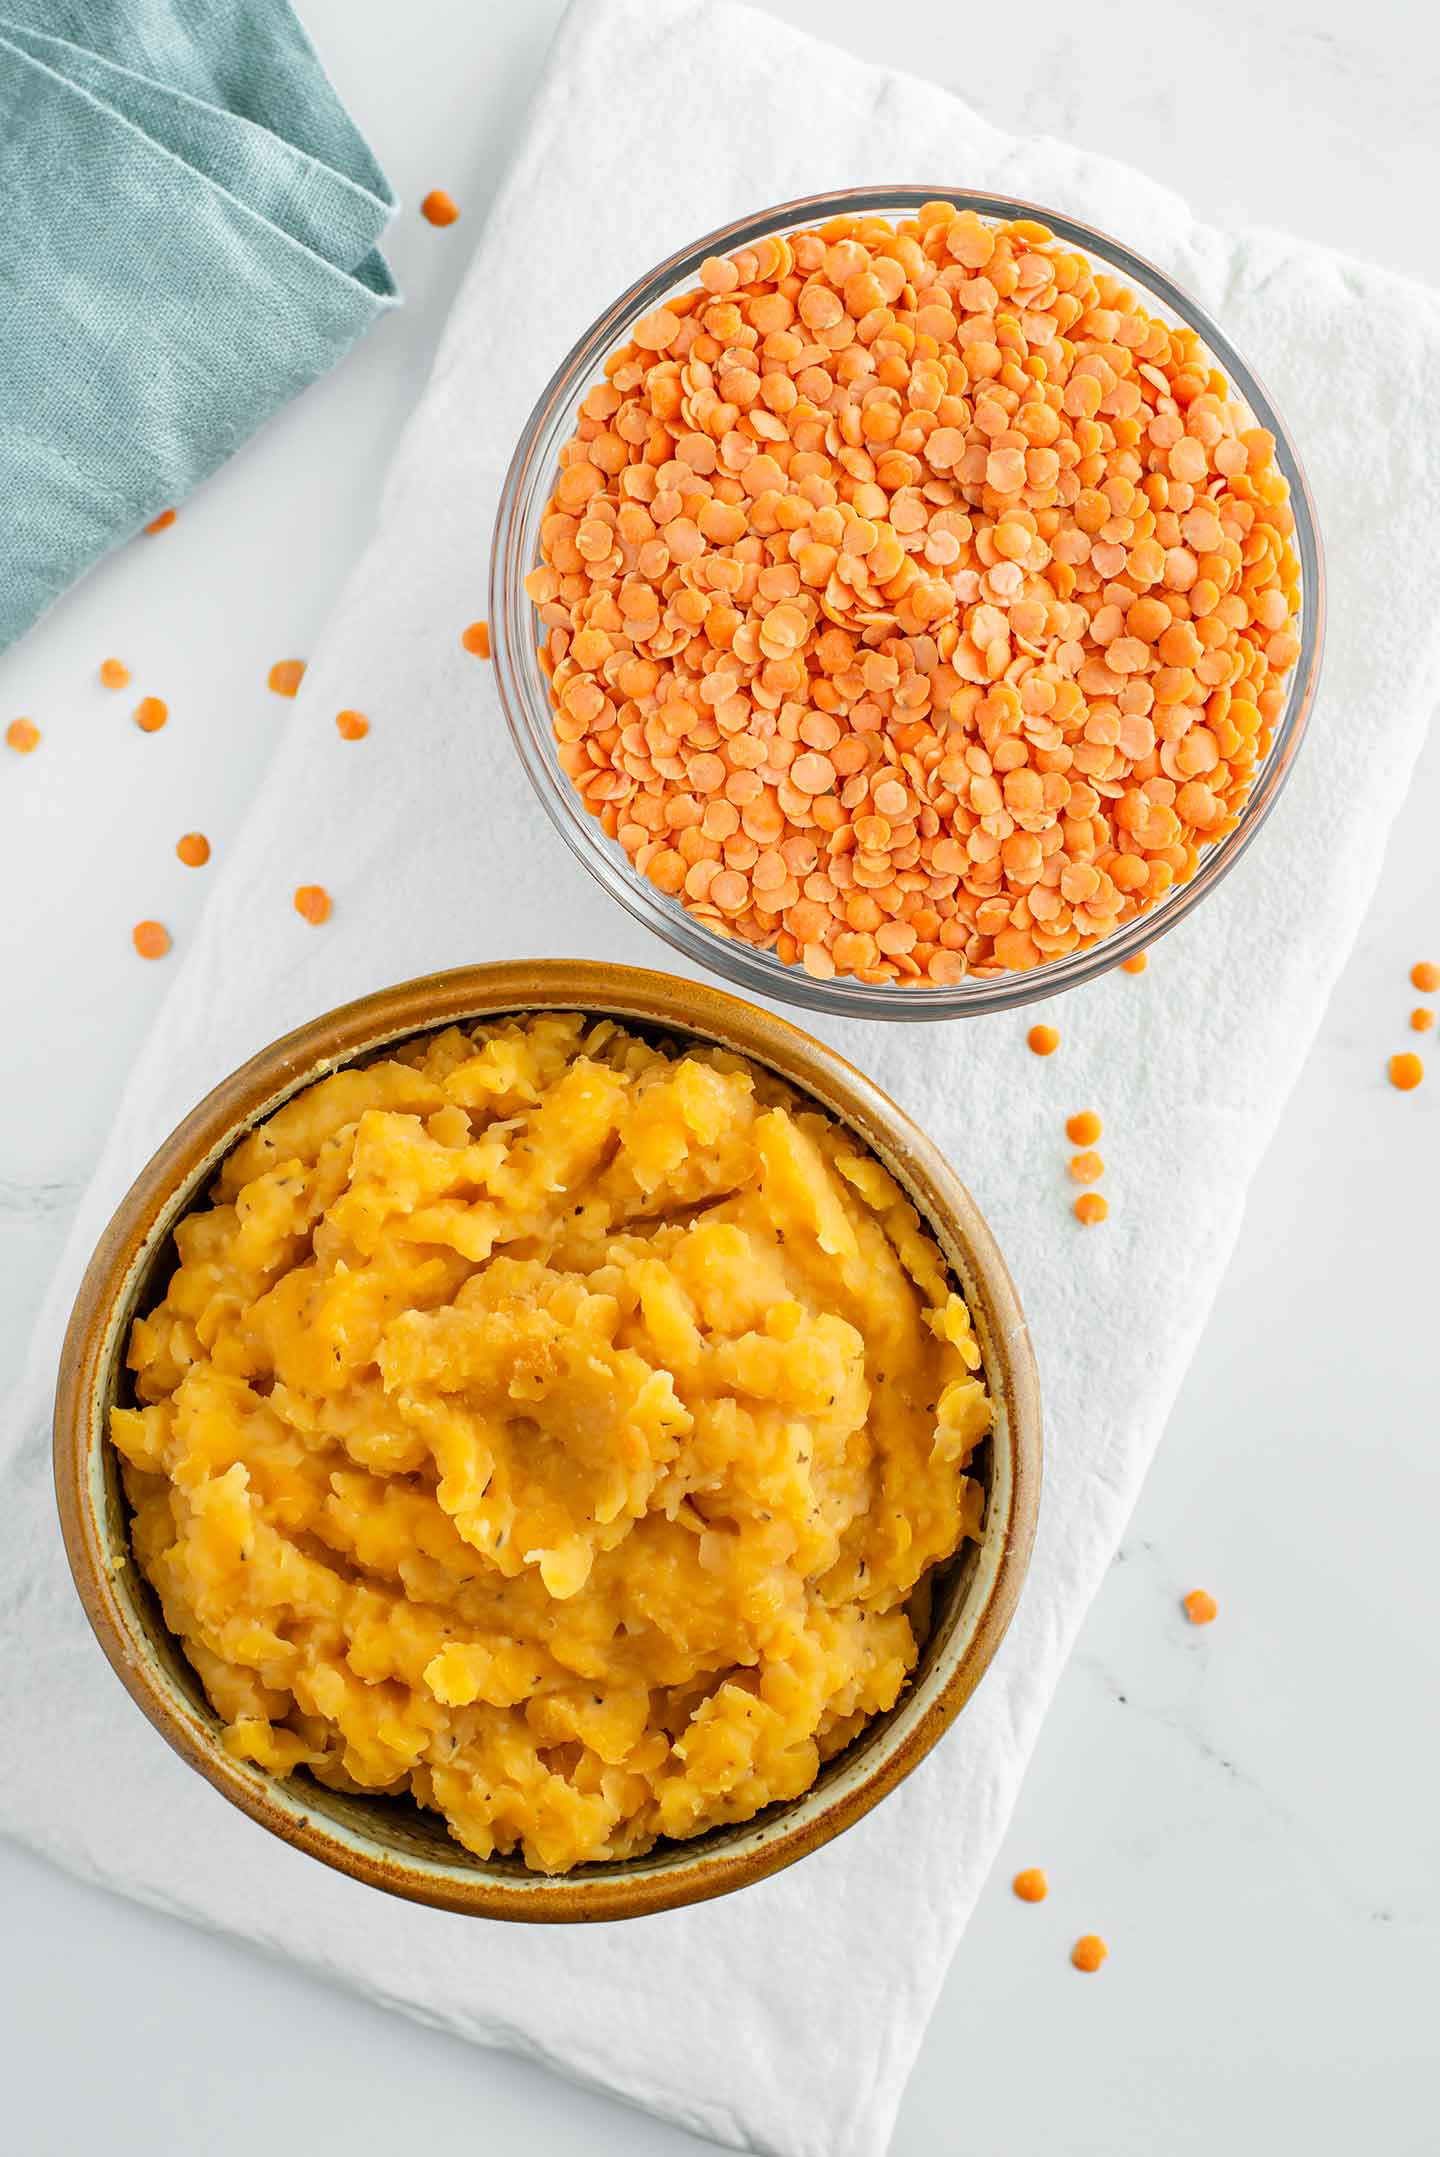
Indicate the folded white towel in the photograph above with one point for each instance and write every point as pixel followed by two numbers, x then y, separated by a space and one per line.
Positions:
pixel 784 2018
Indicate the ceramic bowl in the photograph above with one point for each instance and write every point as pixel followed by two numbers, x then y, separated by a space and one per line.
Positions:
pixel 392 1843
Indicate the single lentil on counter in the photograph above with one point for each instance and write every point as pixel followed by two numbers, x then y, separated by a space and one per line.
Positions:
pixel 22 735
pixel 114 674
pixel 1088 1953
pixel 150 714
pixel 286 676
pixel 1031 1885
pixel 151 939
pixel 313 903
pixel 1406 1071
pixel 913 603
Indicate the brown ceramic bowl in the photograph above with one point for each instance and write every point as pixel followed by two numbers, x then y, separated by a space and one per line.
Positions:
pixel 392 1843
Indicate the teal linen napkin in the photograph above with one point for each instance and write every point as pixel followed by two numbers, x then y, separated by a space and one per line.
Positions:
pixel 188 229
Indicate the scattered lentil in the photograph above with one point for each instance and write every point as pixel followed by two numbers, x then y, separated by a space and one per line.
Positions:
pixel 476 639
pixel 194 849
pixel 438 208
pixel 22 735
pixel 1044 1040
pixel 1136 964
pixel 150 714
pixel 926 549
pixel 1087 1167
pixel 1083 1128
pixel 1088 1953
pixel 1422 1018
pixel 353 726
pixel 151 939
pixel 163 522
pixel 1425 976
pixel 1201 1607
pixel 1406 1070
pixel 114 674
pixel 286 676
pixel 1091 1209
pixel 313 902
pixel 1031 1885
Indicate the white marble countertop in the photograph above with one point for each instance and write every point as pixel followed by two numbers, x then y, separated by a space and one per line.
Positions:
pixel 1247 1813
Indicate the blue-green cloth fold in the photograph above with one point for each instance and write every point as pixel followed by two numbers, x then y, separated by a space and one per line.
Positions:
pixel 189 222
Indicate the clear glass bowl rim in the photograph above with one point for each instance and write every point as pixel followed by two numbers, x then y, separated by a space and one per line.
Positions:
pixel 523 689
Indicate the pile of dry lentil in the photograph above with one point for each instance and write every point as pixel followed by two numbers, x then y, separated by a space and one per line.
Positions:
pixel 914 604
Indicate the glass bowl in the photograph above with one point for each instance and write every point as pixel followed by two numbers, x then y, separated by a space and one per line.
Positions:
pixel 524 691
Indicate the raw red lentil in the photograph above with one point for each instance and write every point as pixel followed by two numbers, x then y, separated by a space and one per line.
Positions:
pixel 150 714
pixel 22 735
pixel 193 849
pixel 1201 1607
pixel 438 208
pixel 151 939
pixel 114 674
pixel 1031 1885
pixel 1088 1953
pixel 1406 1070
pixel 1091 1209
pixel 927 549
pixel 286 676
pixel 1422 1018
pixel 1087 1167
pixel 313 902
pixel 163 522
pixel 353 726
pixel 1425 976
pixel 1135 965
pixel 1083 1128
pixel 1044 1040
pixel 476 639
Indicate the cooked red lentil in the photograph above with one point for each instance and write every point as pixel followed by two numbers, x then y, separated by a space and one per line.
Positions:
pixel 914 603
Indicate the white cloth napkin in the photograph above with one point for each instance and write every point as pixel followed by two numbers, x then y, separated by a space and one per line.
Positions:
pixel 784 2018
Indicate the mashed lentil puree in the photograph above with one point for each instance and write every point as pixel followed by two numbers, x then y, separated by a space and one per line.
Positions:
pixel 557 1428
